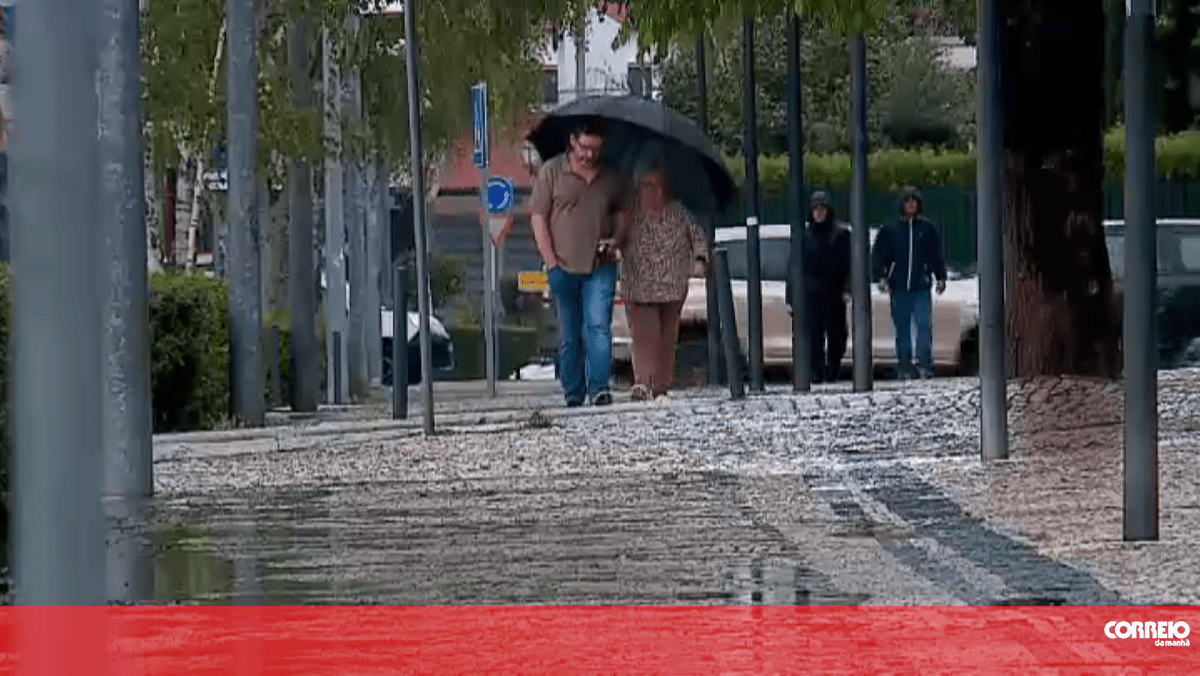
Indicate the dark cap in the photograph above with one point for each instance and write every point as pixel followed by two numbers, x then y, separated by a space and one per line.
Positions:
pixel 819 198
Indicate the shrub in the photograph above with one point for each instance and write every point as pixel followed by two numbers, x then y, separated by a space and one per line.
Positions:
pixel 189 352
pixel 1178 156
pixel 189 355
pixel 447 280
pixel 518 344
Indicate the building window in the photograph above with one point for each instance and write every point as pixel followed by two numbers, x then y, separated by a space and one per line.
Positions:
pixel 639 81
pixel 550 86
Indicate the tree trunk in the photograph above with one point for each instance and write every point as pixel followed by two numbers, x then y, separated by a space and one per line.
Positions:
pixel 1061 314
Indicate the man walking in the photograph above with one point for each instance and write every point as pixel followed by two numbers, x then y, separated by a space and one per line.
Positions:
pixel 906 260
pixel 579 210
pixel 826 283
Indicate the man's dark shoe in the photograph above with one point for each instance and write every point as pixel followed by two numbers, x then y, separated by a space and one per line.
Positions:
pixel 602 398
pixel 574 403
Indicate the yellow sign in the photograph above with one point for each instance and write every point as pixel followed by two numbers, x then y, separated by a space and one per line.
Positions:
pixel 531 282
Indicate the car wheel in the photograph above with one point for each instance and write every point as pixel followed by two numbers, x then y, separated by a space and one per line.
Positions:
pixel 691 362
pixel 968 356
pixel 414 364
pixel 385 374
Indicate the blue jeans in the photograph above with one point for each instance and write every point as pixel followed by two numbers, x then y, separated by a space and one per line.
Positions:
pixel 908 308
pixel 585 307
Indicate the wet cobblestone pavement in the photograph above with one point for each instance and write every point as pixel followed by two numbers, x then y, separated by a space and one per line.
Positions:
pixel 781 499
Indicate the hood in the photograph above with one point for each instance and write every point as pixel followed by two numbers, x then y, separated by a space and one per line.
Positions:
pixel 821 198
pixel 915 194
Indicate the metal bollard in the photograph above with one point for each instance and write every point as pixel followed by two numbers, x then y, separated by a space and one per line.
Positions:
pixel 400 342
pixel 729 335
pixel 276 377
pixel 337 368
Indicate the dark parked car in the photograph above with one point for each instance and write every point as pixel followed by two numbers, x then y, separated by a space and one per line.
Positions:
pixel 1178 290
pixel 443 347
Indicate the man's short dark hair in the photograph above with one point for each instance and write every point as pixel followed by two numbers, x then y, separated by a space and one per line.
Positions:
pixel 589 126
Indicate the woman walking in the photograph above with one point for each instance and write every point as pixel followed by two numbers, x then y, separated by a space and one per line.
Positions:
pixel 663 248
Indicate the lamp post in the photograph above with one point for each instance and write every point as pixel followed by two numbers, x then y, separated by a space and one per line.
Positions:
pixel 413 61
pixel 1140 339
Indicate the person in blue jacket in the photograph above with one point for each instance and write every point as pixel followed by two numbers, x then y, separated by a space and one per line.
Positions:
pixel 906 262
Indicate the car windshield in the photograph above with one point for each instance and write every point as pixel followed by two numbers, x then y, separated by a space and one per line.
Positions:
pixel 1189 250
pixel 1116 255
pixel 1189 245
pixel 774 254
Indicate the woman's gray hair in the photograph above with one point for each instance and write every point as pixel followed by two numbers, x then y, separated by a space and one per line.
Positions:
pixel 650 160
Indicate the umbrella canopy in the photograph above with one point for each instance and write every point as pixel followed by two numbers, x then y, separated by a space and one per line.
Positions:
pixel 637 128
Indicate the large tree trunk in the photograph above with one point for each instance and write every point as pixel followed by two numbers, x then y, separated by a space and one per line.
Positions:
pixel 1061 315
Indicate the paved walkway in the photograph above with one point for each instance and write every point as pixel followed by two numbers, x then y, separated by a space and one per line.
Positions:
pixel 822 498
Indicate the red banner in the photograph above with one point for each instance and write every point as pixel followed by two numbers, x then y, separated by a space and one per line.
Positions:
pixel 369 640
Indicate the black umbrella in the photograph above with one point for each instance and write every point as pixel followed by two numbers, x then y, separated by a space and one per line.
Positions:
pixel 638 126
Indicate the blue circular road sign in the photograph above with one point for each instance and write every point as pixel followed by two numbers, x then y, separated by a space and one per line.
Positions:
pixel 499 195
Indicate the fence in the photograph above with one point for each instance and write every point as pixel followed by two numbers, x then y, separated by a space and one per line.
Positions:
pixel 953 208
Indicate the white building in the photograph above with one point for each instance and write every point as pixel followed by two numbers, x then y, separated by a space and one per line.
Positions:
pixel 609 67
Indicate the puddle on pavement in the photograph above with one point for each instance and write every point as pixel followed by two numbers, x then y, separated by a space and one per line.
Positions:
pixel 780 582
pixel 432 545
pixel 1028 601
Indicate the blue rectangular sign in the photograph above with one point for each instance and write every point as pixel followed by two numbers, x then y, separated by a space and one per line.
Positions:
pixel 479 150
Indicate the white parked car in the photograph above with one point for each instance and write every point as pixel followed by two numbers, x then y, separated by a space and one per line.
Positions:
pixel 955 313
pixel 442 343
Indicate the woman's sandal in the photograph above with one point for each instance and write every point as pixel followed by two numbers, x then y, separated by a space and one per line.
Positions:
pixel 639 392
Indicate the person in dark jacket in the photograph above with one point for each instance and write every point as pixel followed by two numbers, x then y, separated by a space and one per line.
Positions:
pixel 826 280
pixel 906 261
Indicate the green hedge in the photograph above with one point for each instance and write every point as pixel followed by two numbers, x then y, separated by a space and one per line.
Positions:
pixel 518 345
pixel 1178 156
pixel 189 352
pixel 190 377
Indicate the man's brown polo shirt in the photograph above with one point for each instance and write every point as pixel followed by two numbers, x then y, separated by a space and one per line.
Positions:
pixel 579 214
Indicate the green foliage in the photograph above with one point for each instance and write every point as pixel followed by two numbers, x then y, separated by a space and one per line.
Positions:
pixel 539 421
pixel 461 41
pixel 447 280
pixel 189 356
pixel 662 22
pixel 947 17
pixel 1179 54
pixel 1178 156
pixel 518 345
pixel 915 98
pixel 179 43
